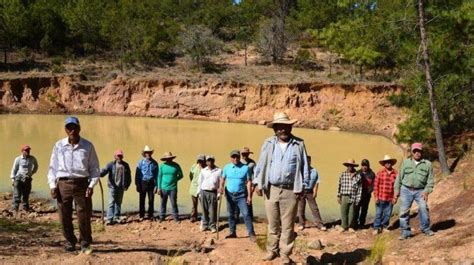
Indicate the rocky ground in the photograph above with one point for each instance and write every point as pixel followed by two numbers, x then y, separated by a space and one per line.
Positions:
pixel 35 238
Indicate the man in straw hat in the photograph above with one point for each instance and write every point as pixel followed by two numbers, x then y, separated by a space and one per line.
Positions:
pixel 194 186
pixel 349 193
pixel 145 181
pixel 282 172
pixel 119 179
pixel 73 172
pixel 24 167
pixel 167 184
pixel 414 183
pixel 384 194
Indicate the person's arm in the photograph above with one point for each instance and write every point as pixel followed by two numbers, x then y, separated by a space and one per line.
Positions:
pixel 180 172
pixel 106 170
pixel 376 186
pixel 222 181
pixel 200 179
pixel 35 165
pixel 159 177
pixel 429 184
pixel 339 190
pixel 191 174
pixel 128 176
pixel 94 168
pixel 398 183
pixel 138 176
pixel 306 169
pixel 53 166
pixel 358 196
pixel 15 168
pixel 249 192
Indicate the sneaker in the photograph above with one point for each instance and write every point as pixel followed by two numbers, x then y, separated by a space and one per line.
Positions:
pixel 403 237
pixel 70 247
pixel 233 235
pixel 270 256
pixel 109 222
pixel 286 260
pixel 253 238
pixel 86 249
pixel 176 221
pixel 376 231
pixel 321 227
pixel 213 230
pixel 429 233
pixel 351 230
pixel 301 227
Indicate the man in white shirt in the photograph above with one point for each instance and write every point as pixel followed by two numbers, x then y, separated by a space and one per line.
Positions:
pixel 73 172
pixel 209 179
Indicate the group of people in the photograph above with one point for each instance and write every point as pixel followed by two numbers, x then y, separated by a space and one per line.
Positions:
pixel 282 175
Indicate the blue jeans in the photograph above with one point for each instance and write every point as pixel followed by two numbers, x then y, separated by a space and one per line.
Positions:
pixel 234 200
pixel 173 196
pixel 115 204
pixel 407 197
pixel 383 212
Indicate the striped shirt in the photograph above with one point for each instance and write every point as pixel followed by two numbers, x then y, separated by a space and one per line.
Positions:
pixel 73 161
pixel 350 184
pixel 384 184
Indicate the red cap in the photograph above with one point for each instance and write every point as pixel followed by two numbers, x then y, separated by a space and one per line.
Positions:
pixel 25 147
pixel 118 152
pixel 417 146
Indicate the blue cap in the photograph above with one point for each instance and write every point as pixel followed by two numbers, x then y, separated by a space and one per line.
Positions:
pixel 72 120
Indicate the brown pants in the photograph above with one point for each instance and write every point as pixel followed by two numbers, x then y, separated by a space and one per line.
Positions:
pixel 194 212
pixel 281 206
pixel 308 196
pixel 75 190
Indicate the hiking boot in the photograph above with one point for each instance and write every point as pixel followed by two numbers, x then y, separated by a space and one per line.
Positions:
pixel 403 237
pixel 270 256
pixel 321 227
pixel 109 222
pixel 87 249
pixel 376 231
pixel 253 238
pixel 232 235
pixel 70 247
pixel 286 260
pixel 429 233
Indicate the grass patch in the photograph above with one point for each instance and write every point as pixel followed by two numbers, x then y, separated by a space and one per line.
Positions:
pixel 301 246
pixel 378 249
pixel 262 241
pixel 175 261
pixel 16 226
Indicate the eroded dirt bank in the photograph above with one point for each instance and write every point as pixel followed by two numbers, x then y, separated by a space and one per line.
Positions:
pixel 351 107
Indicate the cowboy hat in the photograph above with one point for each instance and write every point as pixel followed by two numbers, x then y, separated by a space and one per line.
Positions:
pixel 350 162
pixel 281 118
pixel 246 150
pixel 167 155
pixel 387 158
pixel 147 149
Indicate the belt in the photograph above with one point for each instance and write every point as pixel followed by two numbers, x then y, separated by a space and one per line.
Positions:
pixel 73 179
pixel 283 186
pixel 412 188
pixel 213 191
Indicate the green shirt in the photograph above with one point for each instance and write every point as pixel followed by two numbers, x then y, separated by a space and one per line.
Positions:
pixel 415 176
pixel 168 176
pixel 194 176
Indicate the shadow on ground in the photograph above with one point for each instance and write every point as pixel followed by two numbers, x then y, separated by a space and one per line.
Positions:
pixel 353 257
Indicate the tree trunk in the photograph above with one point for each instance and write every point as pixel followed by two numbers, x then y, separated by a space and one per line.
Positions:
pixel 5 56
pixel 245 53
pixel 431 91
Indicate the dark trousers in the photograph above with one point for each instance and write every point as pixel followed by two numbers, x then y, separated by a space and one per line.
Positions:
pixel 238 200
pixel 360 213
pixel 21 192
pixel 194 211
pixel 308 196
pixel 147 189
pixel 75 190
pixel 209 208
pixel 173 196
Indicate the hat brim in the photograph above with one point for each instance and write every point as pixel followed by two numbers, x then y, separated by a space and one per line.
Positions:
pixel 350 164
pixel 393 160
pixel 246 152
pixel 290 122
pixel 167 157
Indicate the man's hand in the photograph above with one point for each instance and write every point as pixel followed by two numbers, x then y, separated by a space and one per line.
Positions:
pixel 315 195
pixel 54 193
pixel 220 190
pixel 425 196
pixel 395 197
pixel 299 195
pixel 258 191
pixel 249 200
pixel 89 192
pixel 339 200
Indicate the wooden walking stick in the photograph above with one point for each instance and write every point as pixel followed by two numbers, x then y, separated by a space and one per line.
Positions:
pixel 219 198
pixel 102 197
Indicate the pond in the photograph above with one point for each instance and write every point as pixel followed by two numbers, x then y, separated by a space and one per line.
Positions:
pixel 185 139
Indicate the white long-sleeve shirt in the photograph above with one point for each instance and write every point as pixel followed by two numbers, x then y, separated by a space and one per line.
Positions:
pixel 209 179
pixel 71 161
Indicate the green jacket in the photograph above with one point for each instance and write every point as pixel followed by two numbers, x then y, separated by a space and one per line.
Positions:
pixel 415 176
pixel 168 176
pixel 194 177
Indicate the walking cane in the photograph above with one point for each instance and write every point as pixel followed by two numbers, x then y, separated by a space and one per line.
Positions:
pixel 102 197
pixel 218 214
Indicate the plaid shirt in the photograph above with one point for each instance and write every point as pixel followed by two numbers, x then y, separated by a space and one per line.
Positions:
pixel 384 184
pixel 350 184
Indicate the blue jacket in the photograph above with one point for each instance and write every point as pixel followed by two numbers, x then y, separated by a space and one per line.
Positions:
pixel 110 170
pixel 146 171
